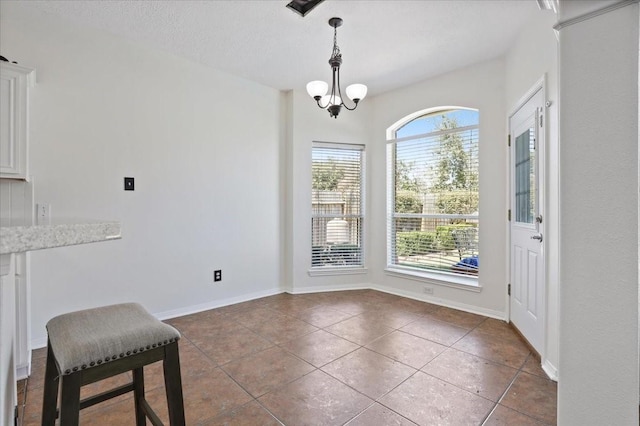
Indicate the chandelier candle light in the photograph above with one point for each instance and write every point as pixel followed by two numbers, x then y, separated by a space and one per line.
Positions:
pixel 332 101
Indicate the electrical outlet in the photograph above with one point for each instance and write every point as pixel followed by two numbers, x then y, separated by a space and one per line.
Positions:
pixel 129 184
pixel 217 275
pixel 427 290
pixel 43 214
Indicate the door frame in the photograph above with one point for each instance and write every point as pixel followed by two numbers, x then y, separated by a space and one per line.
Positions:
pixel 540 85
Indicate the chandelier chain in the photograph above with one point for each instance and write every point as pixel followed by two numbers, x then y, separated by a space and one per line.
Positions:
pixel 336 50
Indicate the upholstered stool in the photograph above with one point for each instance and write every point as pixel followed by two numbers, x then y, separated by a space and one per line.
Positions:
pixel 94 344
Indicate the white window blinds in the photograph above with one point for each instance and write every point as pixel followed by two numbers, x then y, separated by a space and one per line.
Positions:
pixel 336 202
pixel 433 195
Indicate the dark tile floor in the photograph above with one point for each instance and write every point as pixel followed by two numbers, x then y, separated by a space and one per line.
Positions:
pixel 353 357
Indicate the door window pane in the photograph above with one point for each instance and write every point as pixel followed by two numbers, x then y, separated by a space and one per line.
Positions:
pixel 525 178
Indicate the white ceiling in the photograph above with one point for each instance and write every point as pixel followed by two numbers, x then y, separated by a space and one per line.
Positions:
pixel 385 44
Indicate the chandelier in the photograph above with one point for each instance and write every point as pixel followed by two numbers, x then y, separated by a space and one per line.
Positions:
pixel 332 101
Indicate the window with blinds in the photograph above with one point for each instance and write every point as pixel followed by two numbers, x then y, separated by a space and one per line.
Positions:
pixel 336 203
pixel 432 175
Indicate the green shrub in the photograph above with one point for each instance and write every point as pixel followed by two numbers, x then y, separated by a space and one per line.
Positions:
pixel 444 235
pixel 415 242
pixel 318 257
pixel 457 202
pixel 408 203
pixel 345 254
pixel 338 254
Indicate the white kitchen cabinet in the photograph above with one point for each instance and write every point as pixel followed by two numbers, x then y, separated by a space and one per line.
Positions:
pixel 17 208
pixel 8 396
pixel 15 81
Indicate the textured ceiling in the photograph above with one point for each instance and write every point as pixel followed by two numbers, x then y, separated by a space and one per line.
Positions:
pixel 385 44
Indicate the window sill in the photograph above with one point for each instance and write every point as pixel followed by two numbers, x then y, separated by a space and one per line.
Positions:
pixel 467 283
pixel 329 270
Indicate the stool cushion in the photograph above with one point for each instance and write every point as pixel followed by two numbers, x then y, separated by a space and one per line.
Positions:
pixel 91 337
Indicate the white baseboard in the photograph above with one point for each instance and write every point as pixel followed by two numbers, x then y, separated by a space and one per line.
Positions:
pixel 23 371
pixel 325 289
pixel 188 310
pixel 39 343
pixel 193 309
pixel 442 302
pixel 550 369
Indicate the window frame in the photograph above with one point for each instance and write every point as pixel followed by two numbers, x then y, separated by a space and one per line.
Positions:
pixel 329 270
pixel 430 276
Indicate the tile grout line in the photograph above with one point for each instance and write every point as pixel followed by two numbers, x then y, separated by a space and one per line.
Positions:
pixel 504 394
pixel 370 303
pixel 360 346
pixel 255 398
pixel 281 385
pixel 219 366
pixel 495 403
pixel 325 364
pixel 377 400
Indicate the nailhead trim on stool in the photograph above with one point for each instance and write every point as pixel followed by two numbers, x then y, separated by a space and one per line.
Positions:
pixel 94 344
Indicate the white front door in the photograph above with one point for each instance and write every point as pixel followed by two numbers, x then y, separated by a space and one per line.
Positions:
pixel 527 301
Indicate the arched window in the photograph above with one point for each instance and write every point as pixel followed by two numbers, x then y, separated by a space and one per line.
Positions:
pixel 433 193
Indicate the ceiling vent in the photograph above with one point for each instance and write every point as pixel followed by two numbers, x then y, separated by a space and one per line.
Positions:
pixel 548 5
pixel 303 6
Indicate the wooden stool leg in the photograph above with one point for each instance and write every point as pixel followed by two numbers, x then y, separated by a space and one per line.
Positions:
pixel 173 384
pixel 70 400
pixel 138 396
pixel 51 382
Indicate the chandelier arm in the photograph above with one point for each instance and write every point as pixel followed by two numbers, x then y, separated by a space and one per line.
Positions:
pixel 320 105
pixel 355 105
pixel 342 103
pixel 337 71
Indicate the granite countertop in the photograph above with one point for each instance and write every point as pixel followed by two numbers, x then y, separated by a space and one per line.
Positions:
pixel 16 238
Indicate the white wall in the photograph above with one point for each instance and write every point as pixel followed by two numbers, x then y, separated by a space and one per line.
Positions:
pixel 204 148
pixel 533 55
pixel 482 87
pixel 599 219
pixel 308 123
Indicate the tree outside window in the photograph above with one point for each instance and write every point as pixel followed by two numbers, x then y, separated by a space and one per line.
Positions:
pixel 434 166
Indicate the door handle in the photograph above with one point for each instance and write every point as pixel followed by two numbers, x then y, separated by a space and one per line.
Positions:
pixel 537 237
